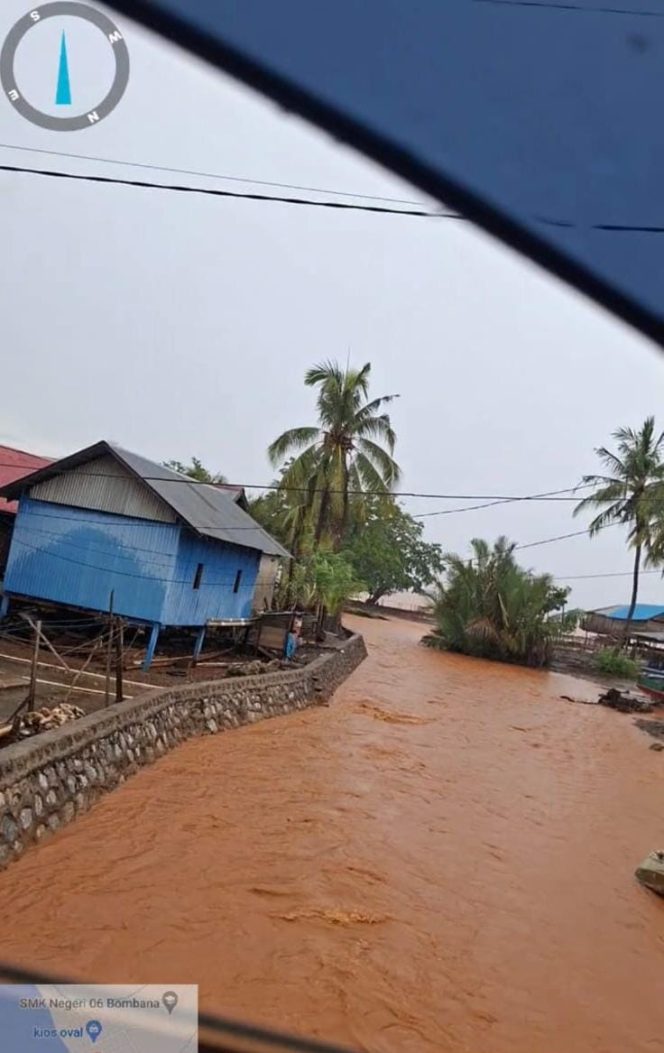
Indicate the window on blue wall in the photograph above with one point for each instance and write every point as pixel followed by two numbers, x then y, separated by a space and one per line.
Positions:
pixel 198 575
pixel 238 579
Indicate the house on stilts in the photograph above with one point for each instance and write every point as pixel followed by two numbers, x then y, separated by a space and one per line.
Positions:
pixel 108 526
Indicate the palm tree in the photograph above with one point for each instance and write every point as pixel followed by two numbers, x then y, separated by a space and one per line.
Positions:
pixel 349 450
pixel 284 512
pixel 627 495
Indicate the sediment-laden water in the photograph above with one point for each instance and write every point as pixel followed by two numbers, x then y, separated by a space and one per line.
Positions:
pixel 441 860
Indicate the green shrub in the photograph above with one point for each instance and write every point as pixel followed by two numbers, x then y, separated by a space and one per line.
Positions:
pixel 613 662
pixel 490 607
pixel 324 579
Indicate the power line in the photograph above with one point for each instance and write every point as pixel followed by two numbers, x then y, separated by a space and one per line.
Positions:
pixel 50 515
pixel 307 202
pixel 140 577
pixel 150 524
pixel 549 4
pixel 209 175
pixel 610 228
pixel 562 537
pixel 501 501
pixel 580 577
pixel 218 583
pixel 550 495
pixel 611 574
pixel 166 559
pixel 390 151
pixel 243 195
pixel 558 537
pixel 231 582
pixel 499 498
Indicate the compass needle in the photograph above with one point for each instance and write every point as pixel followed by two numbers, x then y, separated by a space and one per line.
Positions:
pixel 63 92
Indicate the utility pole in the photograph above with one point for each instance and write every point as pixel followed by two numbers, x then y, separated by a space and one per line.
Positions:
pixel 32 690
pixel 119 658
pixel 109 649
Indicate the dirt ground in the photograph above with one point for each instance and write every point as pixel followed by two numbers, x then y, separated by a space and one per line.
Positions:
pixel 89 690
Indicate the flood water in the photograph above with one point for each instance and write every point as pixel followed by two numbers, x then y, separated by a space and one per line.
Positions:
pixel 441 860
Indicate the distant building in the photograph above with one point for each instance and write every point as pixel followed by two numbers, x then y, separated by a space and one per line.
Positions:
pixel 648 619
pixel 13 465
pixel 105 523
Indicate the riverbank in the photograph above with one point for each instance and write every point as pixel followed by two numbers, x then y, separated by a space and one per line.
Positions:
pixel 439 861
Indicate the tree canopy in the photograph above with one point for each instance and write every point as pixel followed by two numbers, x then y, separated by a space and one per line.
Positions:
pixel 349 451
pixel 325 579
pixel 630 494
pixel 490 607
pixel 195 470
pixel 388 552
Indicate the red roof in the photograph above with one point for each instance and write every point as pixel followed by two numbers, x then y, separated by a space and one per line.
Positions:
pixel 14 464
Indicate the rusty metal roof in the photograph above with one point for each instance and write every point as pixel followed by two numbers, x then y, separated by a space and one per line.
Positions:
pixel 14 464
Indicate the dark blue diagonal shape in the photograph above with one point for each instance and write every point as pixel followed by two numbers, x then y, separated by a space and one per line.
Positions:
pixel 539 121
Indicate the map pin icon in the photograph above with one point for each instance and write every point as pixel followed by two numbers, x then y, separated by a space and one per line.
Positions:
pixel 94 1030
pixel 170 1000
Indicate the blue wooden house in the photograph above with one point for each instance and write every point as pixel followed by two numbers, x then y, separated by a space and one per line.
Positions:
pixel 171 551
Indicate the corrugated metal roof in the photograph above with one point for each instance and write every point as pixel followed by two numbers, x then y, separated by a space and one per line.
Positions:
pixel 14 464
pixel 208 510
pixel 643 612
pixel 105 485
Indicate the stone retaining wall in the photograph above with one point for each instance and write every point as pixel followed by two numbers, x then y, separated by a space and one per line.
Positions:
pixel 47 780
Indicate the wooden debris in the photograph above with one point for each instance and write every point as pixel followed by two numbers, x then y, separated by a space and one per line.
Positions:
pixel 45 719
pixel 246 668
pixel 11 685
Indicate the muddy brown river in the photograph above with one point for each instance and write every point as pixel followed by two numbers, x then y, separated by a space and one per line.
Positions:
pixel 441 860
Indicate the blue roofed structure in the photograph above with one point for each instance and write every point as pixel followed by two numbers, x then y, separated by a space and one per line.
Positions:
pixel 643 612
pixel 107 523
pixel 648 619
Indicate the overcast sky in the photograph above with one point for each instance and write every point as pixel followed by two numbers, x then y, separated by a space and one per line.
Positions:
pixel 179 325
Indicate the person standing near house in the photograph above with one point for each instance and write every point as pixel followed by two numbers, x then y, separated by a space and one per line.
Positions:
pixel 293 638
